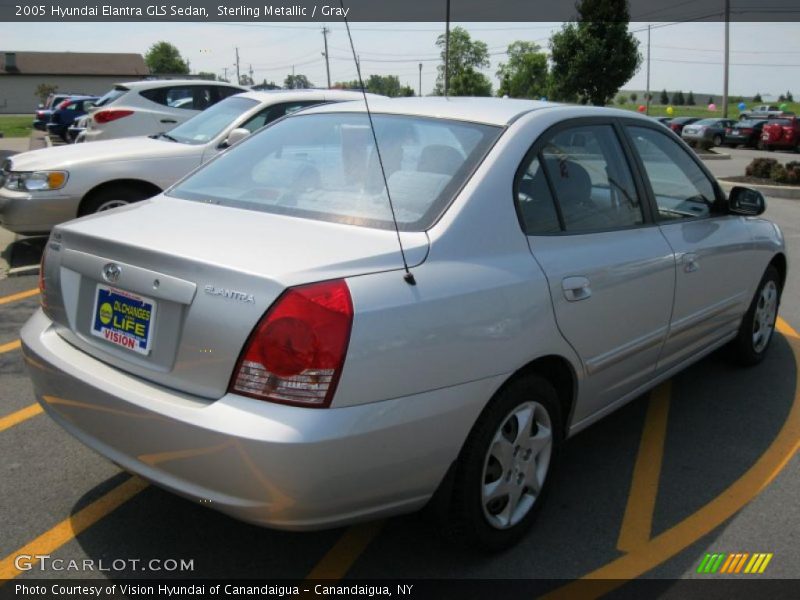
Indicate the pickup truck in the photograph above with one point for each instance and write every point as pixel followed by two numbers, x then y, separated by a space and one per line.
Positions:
pixel 761 112
pixel 781 134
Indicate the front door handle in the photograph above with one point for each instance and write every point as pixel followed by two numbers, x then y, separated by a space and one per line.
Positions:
pixel 690 264
pixel 576 288
pixel 168 121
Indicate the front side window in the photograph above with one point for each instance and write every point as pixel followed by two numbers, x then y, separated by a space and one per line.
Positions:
pixel 273 113
pixel 325 167
pixel 210 123
pixel 580 175
pixel 681 188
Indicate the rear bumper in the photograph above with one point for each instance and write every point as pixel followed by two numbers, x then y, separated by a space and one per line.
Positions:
pixel 31 213
pixel 281 466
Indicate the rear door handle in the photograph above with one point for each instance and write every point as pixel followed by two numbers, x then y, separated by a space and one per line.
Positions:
pixel 690 264
pixel 168 121
pixel 576 288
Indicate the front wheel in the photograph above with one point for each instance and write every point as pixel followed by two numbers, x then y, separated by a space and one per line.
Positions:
pixel 111 197
pixel 758 324
pixel 502 474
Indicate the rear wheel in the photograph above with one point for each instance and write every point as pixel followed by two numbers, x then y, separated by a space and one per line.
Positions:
pixel 111 197
pixel 717 140
pixel 758 324
pixel 502 474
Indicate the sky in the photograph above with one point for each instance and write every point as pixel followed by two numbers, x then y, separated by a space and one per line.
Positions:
pixel 765 57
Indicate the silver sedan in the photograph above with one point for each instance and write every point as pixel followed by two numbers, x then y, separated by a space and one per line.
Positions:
pixel 250 339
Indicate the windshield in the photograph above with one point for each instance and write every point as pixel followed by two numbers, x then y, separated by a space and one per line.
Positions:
pixel 325 167
pixel 208 124
pixel 707 122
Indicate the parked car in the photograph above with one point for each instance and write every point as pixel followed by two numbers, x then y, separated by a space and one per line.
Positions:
pixel 678 123
pixel 149 107
pixel 663 120
pixel 43 113
pixel 251 338
pixel 781 134
pixel 764 111
pixel 747 133
pixel 77 127
pixel 706 131
pixel 65 114
pixel 91 178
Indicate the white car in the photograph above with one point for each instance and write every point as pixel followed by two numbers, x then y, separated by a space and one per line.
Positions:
pixel 42 188
pixel 150 107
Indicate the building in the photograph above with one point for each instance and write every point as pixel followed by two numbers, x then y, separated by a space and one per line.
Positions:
pixel 73 72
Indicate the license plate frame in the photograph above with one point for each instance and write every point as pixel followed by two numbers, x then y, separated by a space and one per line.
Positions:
pixel 123 319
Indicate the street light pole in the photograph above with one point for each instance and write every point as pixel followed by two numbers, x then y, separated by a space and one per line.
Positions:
pixel 727 57
pixel 420 79
pixel 647 93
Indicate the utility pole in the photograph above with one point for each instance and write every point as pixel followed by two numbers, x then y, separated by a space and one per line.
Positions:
pixel 294 83
pixel 225 73
pixel 420 80
pixel 325 32
pixel 238 76
pixel 647 93
pixel 727 57
pixel 251 74
pixel 447 52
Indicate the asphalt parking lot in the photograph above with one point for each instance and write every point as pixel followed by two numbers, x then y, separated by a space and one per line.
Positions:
pixel 703 464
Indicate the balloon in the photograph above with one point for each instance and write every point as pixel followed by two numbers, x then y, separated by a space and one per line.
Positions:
pixel 741 106
pixel 712 106
pixel 670 110
pixel 641 108
pixel 783 106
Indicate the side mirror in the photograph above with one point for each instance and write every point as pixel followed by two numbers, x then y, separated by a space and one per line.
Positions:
pixel 237 135
pixel 746 201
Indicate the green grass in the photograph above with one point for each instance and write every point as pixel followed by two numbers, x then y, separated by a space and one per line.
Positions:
pixel 660 110
pixel 15 127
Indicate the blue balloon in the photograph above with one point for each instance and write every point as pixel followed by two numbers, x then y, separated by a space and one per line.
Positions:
pixel 741 106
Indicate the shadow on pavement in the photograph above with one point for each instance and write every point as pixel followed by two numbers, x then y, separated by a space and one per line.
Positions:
pixel 26 252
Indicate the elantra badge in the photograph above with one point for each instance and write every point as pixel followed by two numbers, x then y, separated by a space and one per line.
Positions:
pixel 111 272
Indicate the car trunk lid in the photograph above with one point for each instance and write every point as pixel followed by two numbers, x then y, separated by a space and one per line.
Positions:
pixel 194 279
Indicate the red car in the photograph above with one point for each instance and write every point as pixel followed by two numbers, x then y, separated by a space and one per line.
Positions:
pixel 781 134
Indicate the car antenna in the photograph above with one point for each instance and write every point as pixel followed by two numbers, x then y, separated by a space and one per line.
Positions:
pixel 409 276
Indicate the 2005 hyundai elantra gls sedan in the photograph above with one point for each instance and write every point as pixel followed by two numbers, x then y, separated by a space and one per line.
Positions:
pixel 248 339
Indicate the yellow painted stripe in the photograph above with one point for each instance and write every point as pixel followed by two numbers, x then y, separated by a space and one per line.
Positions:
pixel 667 544
pixel 18 296
pixel 18 417
pixel 742 560
pixel 69 528
pixel 344 553
pixel 9 346
pixel 752 563
pixel 765 563
pixel 637 523
pixel 727 564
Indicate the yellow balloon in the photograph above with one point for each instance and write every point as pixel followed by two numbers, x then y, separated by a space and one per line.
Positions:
pixel 670 110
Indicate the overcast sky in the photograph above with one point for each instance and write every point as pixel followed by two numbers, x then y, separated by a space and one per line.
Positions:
pixel 765 57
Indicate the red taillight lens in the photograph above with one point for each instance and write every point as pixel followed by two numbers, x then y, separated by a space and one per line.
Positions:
pixel 296 352
pixel 106 116
pixel 63 104
pixel 675 127
pixel 747 130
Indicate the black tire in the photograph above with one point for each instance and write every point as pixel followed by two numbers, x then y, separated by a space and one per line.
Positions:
pixel 717 140
pixel 465 519
pixel 102 199
pixel 743 350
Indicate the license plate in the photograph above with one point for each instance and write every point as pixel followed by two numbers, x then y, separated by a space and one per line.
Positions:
pixel 123 319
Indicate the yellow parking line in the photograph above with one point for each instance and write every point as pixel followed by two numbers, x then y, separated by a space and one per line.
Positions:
pixel 18 296
pixel 669 543
pixel 344 553
pixel 9 346
pixel 18 417
pixel 69 528
pixel 637 523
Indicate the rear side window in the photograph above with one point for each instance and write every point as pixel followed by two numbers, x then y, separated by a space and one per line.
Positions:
pixel 223 92
pixel 682 190
pixel 581 176
pixel 190 97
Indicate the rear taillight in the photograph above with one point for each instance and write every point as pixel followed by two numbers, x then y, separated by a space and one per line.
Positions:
pixel 106 116
pixel 63 104
pixel 296 352
pixel 747 130
pixel 39 114
pixel 41 274
pixel 675 127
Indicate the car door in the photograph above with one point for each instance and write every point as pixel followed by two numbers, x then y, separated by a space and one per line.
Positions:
pixel 610 270
pixel 714 267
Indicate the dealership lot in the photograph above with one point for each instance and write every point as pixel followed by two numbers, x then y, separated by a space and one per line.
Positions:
pixel 704 464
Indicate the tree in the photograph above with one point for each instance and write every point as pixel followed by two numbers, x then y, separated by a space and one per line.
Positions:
pixel 466 57
pixel 593 57
pixel 781 98
pixel 664 97
pixel 525 74
pixel 43 90
pixel 757 97
pixel 297 82
pixel 206 75
pixel 245 79
pixel 634 97
pixel 622 99
pixel 789 97
pixel 386 85
pixel 164 59
pixel 711 100
pixel 690 99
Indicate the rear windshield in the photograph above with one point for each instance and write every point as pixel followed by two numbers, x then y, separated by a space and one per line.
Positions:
pixel 111 95
pixel 748 123
pixel 706 122
pixel 325 167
